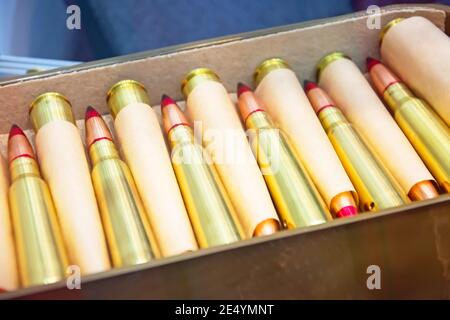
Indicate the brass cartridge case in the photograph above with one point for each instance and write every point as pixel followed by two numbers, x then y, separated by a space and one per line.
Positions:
pixel 39 245
pixel 124 220
pixel 211 212
pixel 426 131
pixel 296 198
pixel 376 187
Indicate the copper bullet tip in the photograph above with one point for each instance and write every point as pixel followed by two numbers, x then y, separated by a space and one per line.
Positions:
pixel 91 112
pixel 15 130
pixel 371 62
pixel 309 85
pixel 381 76
pixel 267 227
pixel 166 100
pixel 172 115
pixel 18 144
pixel 241 88
pixel 96 128
pixel 319 98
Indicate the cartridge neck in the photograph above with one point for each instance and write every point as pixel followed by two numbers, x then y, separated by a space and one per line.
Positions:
pixel 180 134
pixel 259 120
pixel 331 117
pixel 50 107
pixel 23 167
pixel 395 95
pixel 102 150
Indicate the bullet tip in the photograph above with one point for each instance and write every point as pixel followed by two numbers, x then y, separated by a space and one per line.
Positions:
pixel 241 88
pixel 166 100
pixel 347 211
pixel 91 112
pixel 371 62
pixel 15 130
pixel 309 85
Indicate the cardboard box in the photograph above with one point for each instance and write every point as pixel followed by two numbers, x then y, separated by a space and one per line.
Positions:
pixel 410 244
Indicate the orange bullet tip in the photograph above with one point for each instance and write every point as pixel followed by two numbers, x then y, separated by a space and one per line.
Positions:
pixel 241 88
pixel 166 100
pixel 371 62
pixel 91 113
pixel 309 85
pixel 14 131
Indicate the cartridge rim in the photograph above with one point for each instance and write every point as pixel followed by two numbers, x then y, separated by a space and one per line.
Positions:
pixel 327 60
pixel 194 77
pixel 61 109
pixel 388 26
pixel 267 66
pixel 45 95
pixel 123 93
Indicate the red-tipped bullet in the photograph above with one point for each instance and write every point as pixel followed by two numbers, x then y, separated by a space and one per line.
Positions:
pixel 309 85
pixel 241 88
pixel 90 113
pixel 166 100
pixel 18 144
pixel 347 211
pixel 15 130
pixel 371 62
pixel 96 128
pixel 172 115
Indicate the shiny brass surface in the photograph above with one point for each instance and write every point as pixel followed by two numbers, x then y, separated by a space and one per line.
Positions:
pixel 125 92
pixel 196 76
pixel 123 216
pixel 212 215
pixel 297 200
pixel 376 187
pixel 39 245
pixel 388 26
pixel 267 66
pixel 48 107
pixel 426 131
pixel 329 58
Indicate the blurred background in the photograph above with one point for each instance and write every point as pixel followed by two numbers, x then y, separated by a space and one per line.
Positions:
pixel 34 34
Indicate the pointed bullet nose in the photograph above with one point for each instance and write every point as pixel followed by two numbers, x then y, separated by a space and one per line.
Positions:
pixel 309 85
pixel 166 100
pixel 15 130
pixel 371 62
pixel 90 113
pixel 241 88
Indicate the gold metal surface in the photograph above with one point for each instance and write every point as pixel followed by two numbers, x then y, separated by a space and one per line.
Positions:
pixel 124 219
pixel 196 76
pixel 423 190
pixel 39 244
pixel 267 66
pixel 329 58
pixel 125 92
pixel 212 215
pixel 297 200
pixel 49 107
pixel 376 187
pixel 426 131
pixel 388 26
